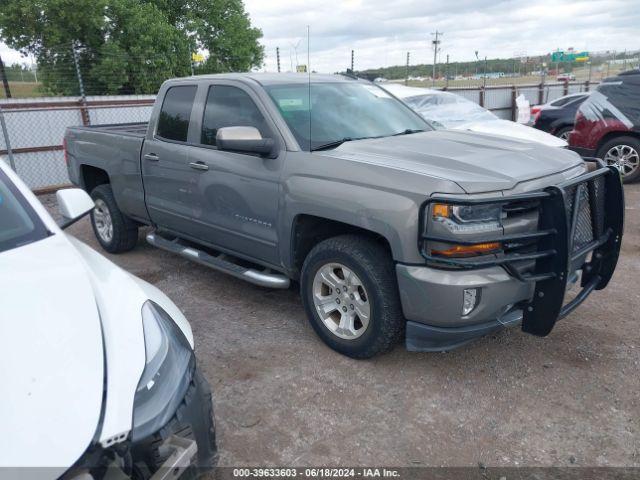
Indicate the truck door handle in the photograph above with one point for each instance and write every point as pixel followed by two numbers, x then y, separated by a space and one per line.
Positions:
pixel 199 166
pixel 151 157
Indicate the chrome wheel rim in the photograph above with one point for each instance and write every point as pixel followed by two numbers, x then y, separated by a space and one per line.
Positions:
pixel 565 135
pixel 102 221
pixel 341 301
pixel 624 157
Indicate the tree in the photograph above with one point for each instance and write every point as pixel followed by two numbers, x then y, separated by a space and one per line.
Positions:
pixel 128 46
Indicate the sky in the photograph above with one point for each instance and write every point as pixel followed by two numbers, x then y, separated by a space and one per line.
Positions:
pixel 381 32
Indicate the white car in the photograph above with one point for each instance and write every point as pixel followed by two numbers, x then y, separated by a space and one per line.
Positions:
pixel 448 110
pixel 96 366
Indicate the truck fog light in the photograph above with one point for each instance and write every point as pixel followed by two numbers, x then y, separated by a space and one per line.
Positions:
pixel 470 300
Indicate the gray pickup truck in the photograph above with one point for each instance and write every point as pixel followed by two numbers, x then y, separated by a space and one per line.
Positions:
pixel 393 229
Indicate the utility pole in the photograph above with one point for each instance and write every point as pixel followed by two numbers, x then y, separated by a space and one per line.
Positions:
pixel 484 79
pixel 5 81
pixel 278 57
pixel 477 60
pixel 446 74
pixel 406 76
pixel 436 48
pixel 352 62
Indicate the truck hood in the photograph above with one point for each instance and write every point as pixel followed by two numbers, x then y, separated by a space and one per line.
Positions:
pixel 510 129
pixel 52 371
pixel 476 162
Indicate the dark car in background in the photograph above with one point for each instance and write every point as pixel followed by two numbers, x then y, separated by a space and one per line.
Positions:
pixel 557 117
pixel 607 125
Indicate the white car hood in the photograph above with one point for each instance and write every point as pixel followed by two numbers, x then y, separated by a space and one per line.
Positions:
pixel 510 129
pixel 52 366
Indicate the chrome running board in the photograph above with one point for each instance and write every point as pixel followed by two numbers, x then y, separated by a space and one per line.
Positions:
pixel 220 262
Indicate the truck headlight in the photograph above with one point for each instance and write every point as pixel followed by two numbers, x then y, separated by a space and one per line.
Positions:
pixel 466 224
pixel 167 372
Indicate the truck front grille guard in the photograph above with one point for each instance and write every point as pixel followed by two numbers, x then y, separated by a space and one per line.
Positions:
pixel 577 217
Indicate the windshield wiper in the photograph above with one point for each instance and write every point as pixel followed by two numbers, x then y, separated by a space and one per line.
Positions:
pixel 408 131
pixel 337 143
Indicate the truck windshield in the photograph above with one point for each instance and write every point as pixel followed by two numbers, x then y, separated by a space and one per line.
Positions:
pixel 19 223
pixel 342 112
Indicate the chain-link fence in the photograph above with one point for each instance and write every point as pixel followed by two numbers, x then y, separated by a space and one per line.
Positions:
pixel 33 129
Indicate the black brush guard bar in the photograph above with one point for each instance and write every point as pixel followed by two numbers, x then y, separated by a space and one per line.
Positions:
pixel 555 257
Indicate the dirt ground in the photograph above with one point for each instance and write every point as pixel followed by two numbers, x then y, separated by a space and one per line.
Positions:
pixel 283 398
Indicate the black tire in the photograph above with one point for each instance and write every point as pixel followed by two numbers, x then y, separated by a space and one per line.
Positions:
pixel 632 142
pixel 125 230
pixel 562 132
pixel 375 268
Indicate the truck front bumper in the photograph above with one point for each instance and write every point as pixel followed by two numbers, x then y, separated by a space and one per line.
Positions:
pixel 580 227
pixel 432 302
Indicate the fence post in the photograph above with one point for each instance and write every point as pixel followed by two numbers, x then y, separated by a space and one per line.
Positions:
pixel 7 142
pixel 586 85
pixel 566 87
pixel 481 96
pixel 514 105
pixel 5 81
pixel 84 113
pixel 541 91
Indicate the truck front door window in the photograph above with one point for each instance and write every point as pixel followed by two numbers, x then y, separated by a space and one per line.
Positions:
pixel 173 123
pixel 229 107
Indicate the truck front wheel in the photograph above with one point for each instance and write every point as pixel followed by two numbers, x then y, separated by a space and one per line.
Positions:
pixel 350 294
pixel 115 231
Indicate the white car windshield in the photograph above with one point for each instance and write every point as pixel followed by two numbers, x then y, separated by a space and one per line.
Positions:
pixel 448 110
pixel 19 224
pixel 342 111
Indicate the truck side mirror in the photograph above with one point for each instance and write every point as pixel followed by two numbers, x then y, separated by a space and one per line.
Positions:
pixel 73 204
pixel 245 140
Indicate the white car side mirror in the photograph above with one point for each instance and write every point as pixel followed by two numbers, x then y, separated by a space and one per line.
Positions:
pixel 73 204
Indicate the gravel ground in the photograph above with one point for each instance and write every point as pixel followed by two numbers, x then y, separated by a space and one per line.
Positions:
pixel 509 399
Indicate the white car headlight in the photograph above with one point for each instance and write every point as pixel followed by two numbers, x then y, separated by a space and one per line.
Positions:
pixel 167 373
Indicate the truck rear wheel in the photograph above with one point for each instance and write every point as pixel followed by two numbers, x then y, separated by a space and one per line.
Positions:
pixel 115 231
pixel 350 294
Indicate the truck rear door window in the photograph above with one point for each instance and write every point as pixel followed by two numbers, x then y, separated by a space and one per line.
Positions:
pixel 230 107
pixel 173 123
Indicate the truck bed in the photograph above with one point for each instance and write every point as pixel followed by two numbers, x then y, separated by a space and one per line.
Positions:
pixel 129 129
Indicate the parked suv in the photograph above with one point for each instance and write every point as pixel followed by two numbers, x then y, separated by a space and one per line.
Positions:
pixel 393 229
pixel 608 125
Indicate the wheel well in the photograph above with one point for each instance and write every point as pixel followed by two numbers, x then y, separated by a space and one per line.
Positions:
pixel 92 177
pixel 611 135
pixel 309 230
